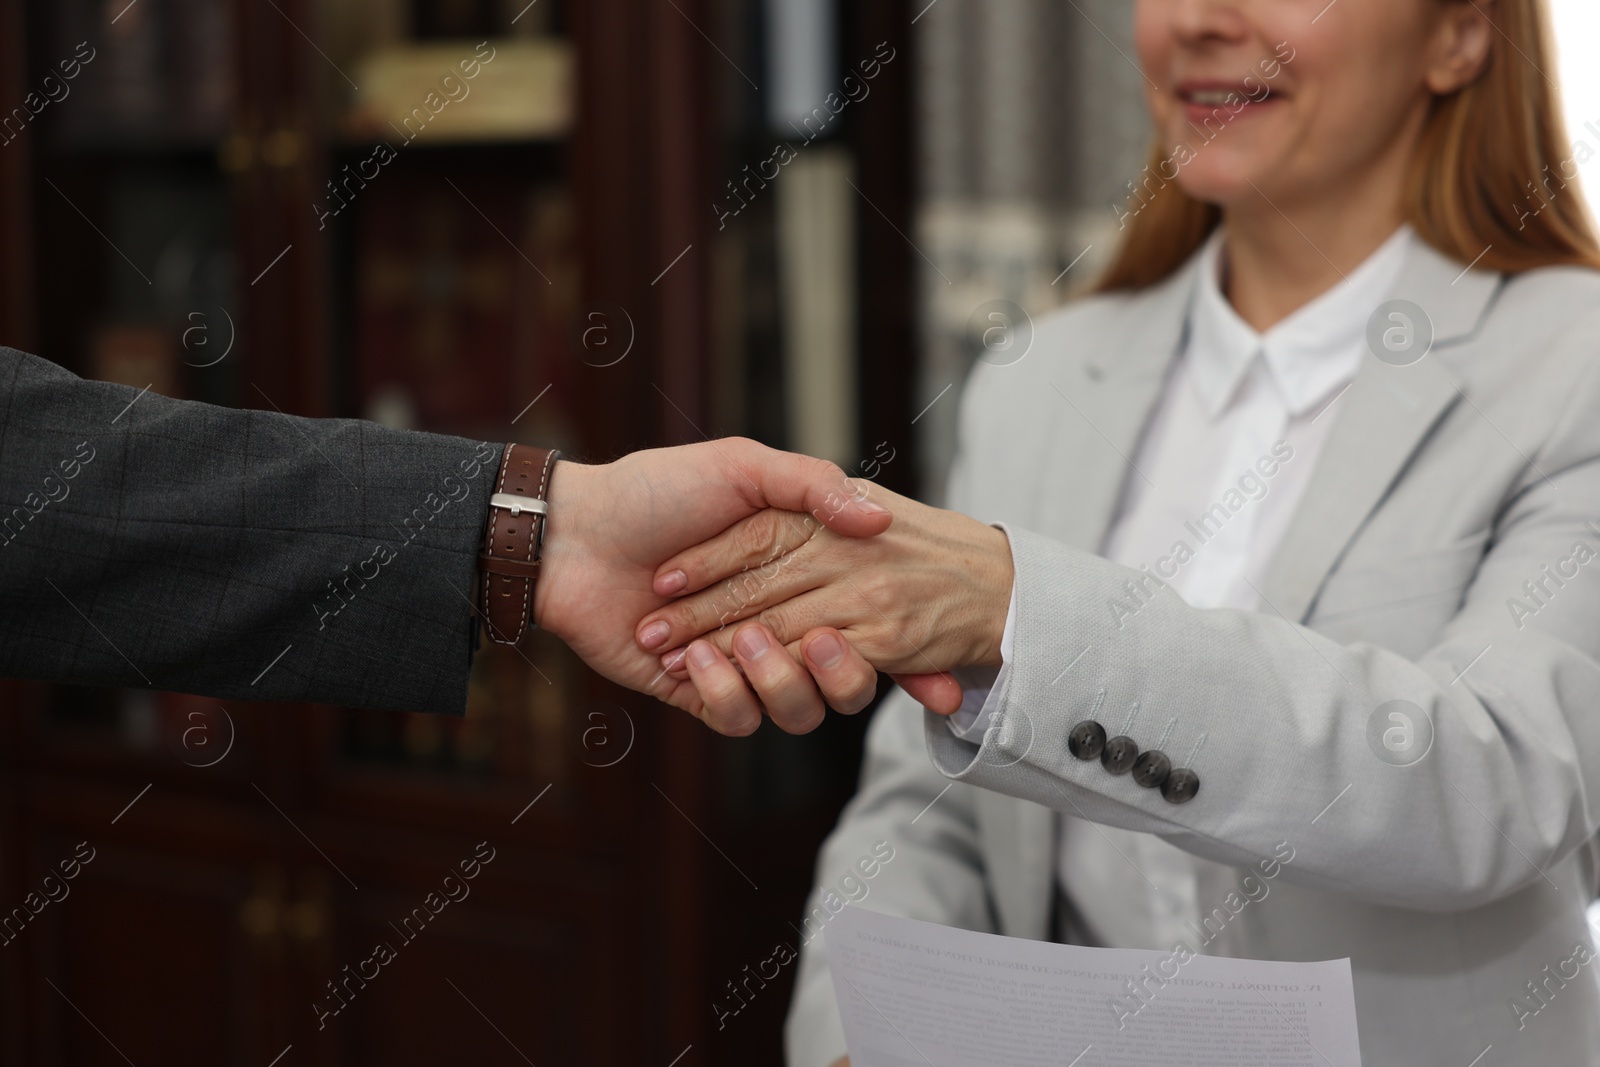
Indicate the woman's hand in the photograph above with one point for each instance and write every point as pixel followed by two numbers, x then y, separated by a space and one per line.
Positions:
pixel 928 595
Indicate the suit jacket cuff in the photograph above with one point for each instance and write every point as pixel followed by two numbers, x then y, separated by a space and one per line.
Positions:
pixel 1061 640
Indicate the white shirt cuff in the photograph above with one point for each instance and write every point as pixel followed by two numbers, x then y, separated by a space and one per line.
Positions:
pixel 980 686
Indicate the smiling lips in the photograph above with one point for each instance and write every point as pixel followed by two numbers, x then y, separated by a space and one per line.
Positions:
pixel 1224 101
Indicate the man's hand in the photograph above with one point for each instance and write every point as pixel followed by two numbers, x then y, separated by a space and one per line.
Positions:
pixel 611 526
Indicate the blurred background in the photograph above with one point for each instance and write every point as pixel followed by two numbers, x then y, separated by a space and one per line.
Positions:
pixel 598 224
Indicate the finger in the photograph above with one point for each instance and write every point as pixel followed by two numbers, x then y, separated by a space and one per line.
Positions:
pixel 936 690
pixel 847 681
pixel 730 707
pixel 675 666
pixel 746 595
pixel 939 693
pixel 815 486
pixel 674 662
pixel 788 619
pixel 756 544
pixel 681 694
pixel 787 691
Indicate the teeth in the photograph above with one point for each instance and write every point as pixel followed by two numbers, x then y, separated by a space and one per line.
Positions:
pixel 1213 97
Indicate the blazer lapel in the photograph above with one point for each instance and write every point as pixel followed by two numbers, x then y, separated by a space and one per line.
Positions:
pixel 1379 421
pixel 1104 403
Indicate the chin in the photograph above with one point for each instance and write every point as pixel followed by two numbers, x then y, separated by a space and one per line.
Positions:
pixel 1223 190
pixel 1220 168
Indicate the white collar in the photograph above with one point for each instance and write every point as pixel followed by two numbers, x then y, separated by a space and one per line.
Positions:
pixel 1309 354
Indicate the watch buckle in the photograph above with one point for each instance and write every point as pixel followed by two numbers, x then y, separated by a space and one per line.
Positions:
pixel 518 504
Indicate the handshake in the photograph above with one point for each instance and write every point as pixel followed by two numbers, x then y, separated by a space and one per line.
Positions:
pixel 733 580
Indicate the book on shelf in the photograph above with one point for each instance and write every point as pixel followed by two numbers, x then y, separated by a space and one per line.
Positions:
pixel 436 302
pixel 497 89
pixel 816 271
pixel 160 73
pixel 459 329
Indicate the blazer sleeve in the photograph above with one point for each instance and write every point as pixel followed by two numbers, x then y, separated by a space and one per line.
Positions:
pixel 1510 785
pixel 246 555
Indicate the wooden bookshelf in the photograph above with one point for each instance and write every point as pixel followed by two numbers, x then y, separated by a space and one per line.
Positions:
pixel 208 926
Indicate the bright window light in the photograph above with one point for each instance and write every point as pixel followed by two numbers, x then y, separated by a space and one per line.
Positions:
pixel 1577 30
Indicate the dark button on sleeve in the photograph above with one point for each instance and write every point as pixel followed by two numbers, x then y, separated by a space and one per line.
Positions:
pixel 1119 754
pixel 1181 786
pixel 1151 768
pixel 1087 740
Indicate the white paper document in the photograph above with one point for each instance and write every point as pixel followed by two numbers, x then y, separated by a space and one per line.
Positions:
pixel 916 994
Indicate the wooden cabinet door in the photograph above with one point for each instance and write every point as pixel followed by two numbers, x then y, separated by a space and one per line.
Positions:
pixel 145 949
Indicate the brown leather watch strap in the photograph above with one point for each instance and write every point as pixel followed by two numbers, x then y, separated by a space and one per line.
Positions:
pixel 510 557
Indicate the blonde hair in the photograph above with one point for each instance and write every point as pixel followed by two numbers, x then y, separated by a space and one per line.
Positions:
pixel 1481 176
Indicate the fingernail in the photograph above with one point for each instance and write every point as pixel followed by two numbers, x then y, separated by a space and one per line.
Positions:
pixel 672 660
pixel 702 655
pixel 672 583
pixel 871 507
pixel 826 651
pixel 655 635
pixel 752 642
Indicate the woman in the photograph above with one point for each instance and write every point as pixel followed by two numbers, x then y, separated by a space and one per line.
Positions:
pixel 1301 507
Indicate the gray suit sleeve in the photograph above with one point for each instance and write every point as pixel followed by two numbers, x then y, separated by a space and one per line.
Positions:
pixel 244 555
pixel 1510 786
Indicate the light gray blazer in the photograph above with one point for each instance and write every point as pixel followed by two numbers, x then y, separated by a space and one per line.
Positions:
pixel 1444 486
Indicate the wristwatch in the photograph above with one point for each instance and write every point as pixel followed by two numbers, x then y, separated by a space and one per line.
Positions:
pixel 510 557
